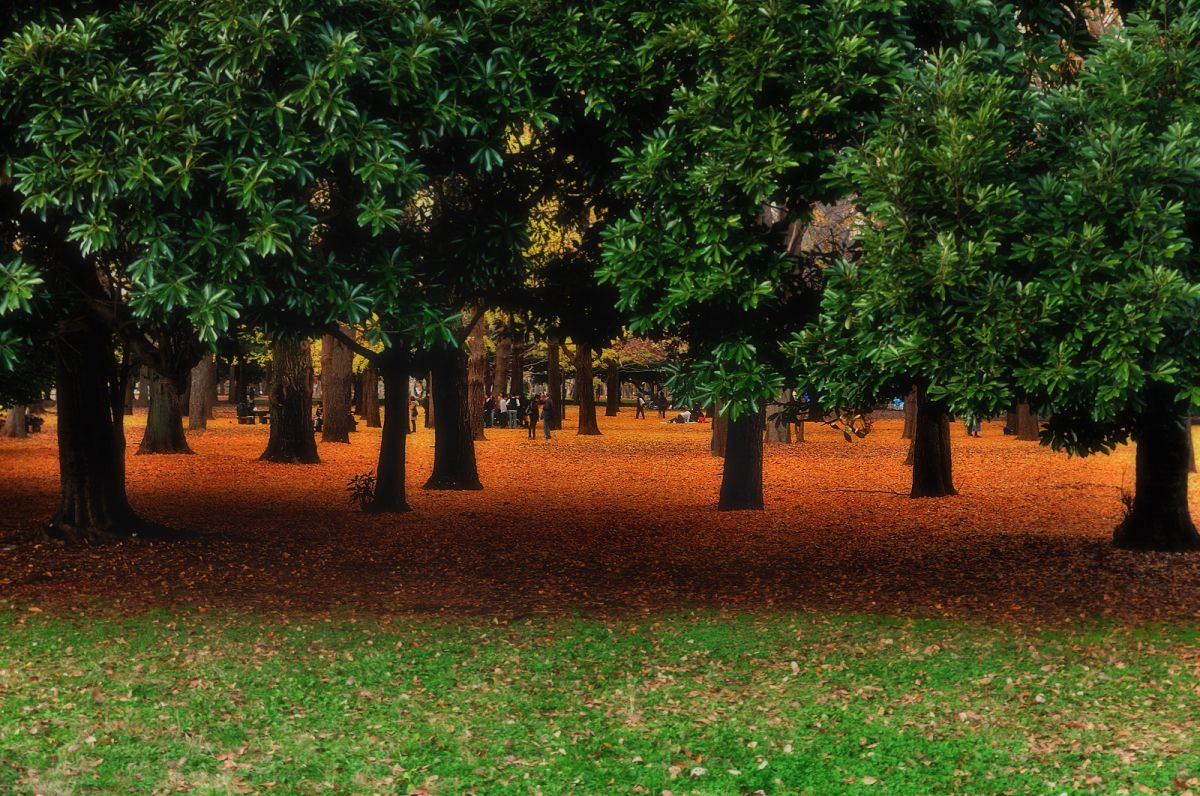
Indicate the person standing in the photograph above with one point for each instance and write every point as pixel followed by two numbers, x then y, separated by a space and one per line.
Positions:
pixel 641 407
pixel 547 408
pixel 512 420
pixel 661 400
pixel 532 413
pixel 412 414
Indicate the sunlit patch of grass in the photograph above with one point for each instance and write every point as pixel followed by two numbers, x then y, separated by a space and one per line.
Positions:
pixel 684 702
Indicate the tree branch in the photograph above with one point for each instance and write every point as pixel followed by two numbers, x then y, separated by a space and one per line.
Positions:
pixel 368 354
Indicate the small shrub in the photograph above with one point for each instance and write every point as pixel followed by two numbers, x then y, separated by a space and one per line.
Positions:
pixel 362 489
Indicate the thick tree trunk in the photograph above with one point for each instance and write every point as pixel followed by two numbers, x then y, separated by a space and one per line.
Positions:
pixel 370 393
pixel 612 385
pixel 453 443
pixel 14 424
pixel 204 376
pixel 292 439
pixel 91 439
pixel 476 377
pixel 778 428
pixel 799 431
pixel 337 373
pixel 1159 518
pixel 932 470
pixel 500 372
pixel 164 423
pixel 585 392
pixel 719 441
pixel 910 415
pixel 516 384
pixel 390 472
pixel 1028 424
pixel 741 481
pixel 554 382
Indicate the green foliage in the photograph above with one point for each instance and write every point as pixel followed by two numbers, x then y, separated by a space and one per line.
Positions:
pixel 930 298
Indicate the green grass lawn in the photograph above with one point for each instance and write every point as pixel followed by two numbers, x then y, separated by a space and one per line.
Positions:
pixel 680 703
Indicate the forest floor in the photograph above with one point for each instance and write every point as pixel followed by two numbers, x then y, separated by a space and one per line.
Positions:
pixel 620 523
pixel 589 624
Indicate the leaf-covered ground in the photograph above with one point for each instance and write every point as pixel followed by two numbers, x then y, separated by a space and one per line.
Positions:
pixel 607 525
pixel 680 703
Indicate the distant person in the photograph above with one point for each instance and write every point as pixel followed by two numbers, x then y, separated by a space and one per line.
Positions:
pixel 319 421
pixel 489 410
pixel 513 419
pixel 641 407
pixel 531 415
pixel 548 406
pixel 683 417
pixel 412 413
pixel 661 400
pixel 973 427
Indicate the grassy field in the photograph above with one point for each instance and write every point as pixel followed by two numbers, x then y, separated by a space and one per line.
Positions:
pixel 703 703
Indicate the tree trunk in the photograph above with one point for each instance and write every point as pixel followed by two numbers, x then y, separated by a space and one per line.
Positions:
pixel 741 482
pixel 1159 518
pixel 91 439
pixel 554 382
pixel 430 421
pixel 235 384
pixel 204 375
pixel 1191 448
pixel 390 471
pixel 932 470
pixel 778 429
pixel 127 409
pixel 910 416
pixel 370 394
pixel 612 385
pixel 516 383
pixel 164 423
pixel 500 372
pixel 292 439
pixel 476 377
pixel 1028 424
pixel 337 373
pixel 453 443
pixel 585 392
pixel 719 441
pixel 143 387
pixel 14 424
pixel 799 431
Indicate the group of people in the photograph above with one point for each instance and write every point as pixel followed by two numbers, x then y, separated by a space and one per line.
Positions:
pixel 659 403
pixel 516 411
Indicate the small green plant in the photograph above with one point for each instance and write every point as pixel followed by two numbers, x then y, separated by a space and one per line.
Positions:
pixel 362 489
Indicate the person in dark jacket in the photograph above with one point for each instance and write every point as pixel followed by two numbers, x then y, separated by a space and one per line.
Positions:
pixel 661 400
pixel 531 412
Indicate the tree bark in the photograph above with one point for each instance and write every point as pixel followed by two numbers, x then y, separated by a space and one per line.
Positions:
pixel 14 424
pixel 203 378
pixel 500 372
pixel 143 387
pixel 741 481
pixel 476 377
pixel 585 392
pixel 1028 424
pixel 778 429
pixel 612 385
pixel 430 420
pixel 390 471
pixel 91 438
pixel 1159 518
pixel 910 415
pixel 720 432
pixel 932 464
pixel 164 423
pixel 235 384
pixel 127 409
pixel 292 439
pixel 337 373
pixel 453 443
pixel 370 394
pixel 554 382
pixel 516 382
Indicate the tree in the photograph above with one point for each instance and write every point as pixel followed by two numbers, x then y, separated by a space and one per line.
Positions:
pixel 203 393
pixel 337 370
pixel 291 440
pixel 1115 214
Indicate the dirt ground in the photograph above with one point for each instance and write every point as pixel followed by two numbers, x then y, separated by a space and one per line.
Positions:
pixel 605 525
